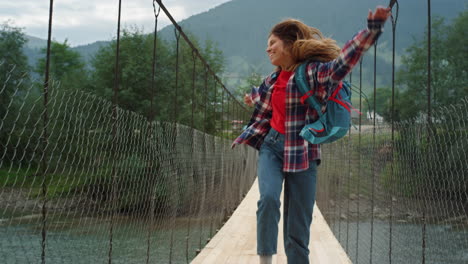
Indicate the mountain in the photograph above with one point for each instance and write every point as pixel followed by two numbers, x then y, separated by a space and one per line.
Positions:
pixel 35 43
pixel 32 49
pixel 88 51
pixel 241 27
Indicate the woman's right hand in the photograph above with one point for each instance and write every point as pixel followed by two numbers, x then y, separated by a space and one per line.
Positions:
pixel 248 100
pixel 381 13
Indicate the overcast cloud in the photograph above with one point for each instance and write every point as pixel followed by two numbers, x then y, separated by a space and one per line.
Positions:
pixel 87 21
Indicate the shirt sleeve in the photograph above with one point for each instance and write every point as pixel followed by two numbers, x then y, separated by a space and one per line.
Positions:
pixel 336 70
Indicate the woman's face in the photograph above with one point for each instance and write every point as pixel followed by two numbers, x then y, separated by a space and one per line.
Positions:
pixel 278 53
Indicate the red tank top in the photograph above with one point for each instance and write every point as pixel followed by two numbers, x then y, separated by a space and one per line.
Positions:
pixel 278 101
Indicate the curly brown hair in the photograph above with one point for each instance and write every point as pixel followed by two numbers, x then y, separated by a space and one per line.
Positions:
pixel 304 42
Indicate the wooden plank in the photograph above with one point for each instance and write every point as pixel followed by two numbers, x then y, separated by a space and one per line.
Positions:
pixel 236 241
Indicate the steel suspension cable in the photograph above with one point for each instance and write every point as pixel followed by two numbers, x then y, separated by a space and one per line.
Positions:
pixel 193 47
pixel 114 132
pixel 44 137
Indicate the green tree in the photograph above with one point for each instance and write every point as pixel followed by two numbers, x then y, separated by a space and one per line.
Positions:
pixel 457 56
pixel 445 136
pixel 135 71
pixel 449 56
pixel 136 92
pixel 13 64
pixel 66 66
pixel 253 80
pixel 13 84
pixel 383 102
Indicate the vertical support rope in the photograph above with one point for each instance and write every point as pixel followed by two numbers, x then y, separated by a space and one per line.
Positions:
pixel 175 131
pixel 151 171
pixel 392 114
pixel 191 156
pixel 374 114
pixel 192 123
pixel 45 139
pixel 429 122
pixel 215 106
pixel 205 95
pixel 222 112
pixel 204 158
pixel 114 132
pixel 429 62
pixel 349 178
pixel 203 207
pixel 336 211
pixel 177 36
pixel 153 69
pixel 213 172
pixel 339 200
pixel 359 162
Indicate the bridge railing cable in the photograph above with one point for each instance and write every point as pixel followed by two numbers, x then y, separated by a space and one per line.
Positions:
pixel 394 191
pixel 87 177
pixel 136 166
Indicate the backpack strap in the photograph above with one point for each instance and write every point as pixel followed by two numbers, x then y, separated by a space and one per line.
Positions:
pixel 304 88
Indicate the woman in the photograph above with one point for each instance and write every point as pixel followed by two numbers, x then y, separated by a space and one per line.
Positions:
pixel 278 118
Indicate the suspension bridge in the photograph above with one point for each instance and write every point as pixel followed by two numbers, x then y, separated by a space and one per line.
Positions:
pixel 86 178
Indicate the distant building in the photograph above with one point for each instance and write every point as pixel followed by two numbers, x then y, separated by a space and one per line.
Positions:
pixel 371 115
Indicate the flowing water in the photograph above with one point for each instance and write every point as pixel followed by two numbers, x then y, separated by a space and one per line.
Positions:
pixel 444 244
pixel 87 240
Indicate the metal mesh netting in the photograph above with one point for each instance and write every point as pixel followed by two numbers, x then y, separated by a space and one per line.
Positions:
pixel 400 202
pixel 88 188
pixel 84 180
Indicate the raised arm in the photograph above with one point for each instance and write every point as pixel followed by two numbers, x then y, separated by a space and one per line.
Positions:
pixel 336 70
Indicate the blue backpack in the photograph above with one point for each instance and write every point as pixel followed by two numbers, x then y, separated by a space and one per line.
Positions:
pixel 335 122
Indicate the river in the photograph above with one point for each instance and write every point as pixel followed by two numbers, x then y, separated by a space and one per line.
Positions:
pixel 86 240
pixel 445 243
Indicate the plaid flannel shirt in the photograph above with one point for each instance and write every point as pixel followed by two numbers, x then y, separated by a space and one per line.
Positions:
pixel 323 79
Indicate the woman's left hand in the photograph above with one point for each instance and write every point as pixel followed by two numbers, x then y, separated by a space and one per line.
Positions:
pixel 248 100
pixel 381 13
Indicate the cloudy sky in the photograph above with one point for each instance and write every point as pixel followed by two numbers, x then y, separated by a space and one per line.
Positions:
pixel 86 21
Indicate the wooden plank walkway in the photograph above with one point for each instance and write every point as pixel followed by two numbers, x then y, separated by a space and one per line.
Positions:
pixel 235 243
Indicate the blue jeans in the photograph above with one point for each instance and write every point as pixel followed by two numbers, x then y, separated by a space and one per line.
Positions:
pixel 299 199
